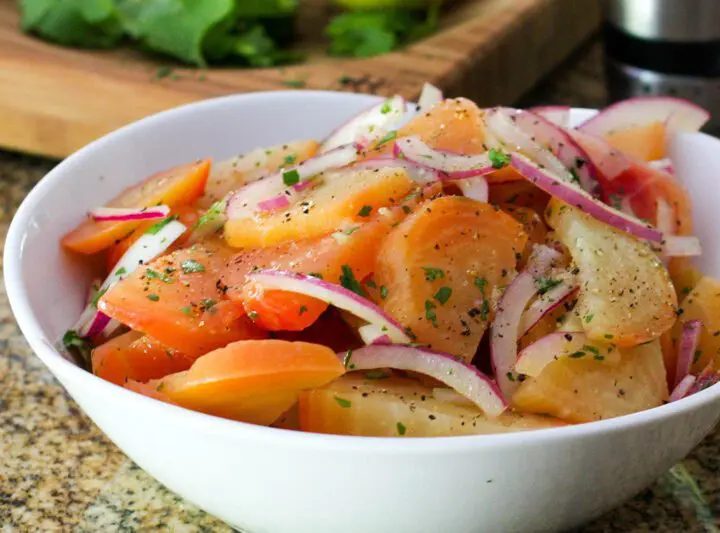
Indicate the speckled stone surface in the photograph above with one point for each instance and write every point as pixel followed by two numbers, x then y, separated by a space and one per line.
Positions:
pixel 58 472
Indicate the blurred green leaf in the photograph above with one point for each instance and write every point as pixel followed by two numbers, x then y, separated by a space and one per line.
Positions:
pixel 80 23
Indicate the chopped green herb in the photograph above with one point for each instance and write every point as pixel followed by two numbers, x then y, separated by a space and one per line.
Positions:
pixel 386 107
pixel 696 356
pixel 432 273
pixel 371 283
pixel 99 294
pixel 347 280
pixel 406 209
pixel 153 297
pixel 365 211
pixel 545 284
pixel 208 304
pixel 303 309
pixel 430 313
pixel 389 136
pixel 383 292
pixel 484 310
pixel 376 374
pixel 297 84
pixel 401 429
pixel 187 310
pixel 588 318
pixel 291 177
pixel 155 228
pixel 577 355
pixel 190 266
pixel 346 358
pixel 154 274
pixel 480 283
pixel 163 71
pixel 120 271
pixel 574 176
pixel 686 290
pixel 608 336
pixel 215 211
pixel 289 159
pixel 599 357
pixel 591 349
pixel 510 376
pixel 443 294
pixel 350 231
pixel 498 158
pixel 342 402
pixel 253 315
pixel 315 275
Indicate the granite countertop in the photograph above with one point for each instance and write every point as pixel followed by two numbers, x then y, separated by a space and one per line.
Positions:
pixel 58 472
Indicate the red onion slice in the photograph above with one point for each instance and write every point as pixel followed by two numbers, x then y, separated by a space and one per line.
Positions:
pixel 502 122
pixel 689 340
pixel 550 136
pixel 333 295
pixel 420 174
pixel 475 188
pixel 665 216
pixel 368 126
pixel 429 98
pixel 118 214
pixel 663 165
pixel 455 373
pixel 374 334
pixel 278 202
pixel 707 378
pixel 547 303
pixel 150 245
pixel 246 200
pixel 505 329
pixel 607 160
pixel 557 114
pixel 576 197
pixel 683 388
pixel 681 246
pixel 675 113
pixel 456 166
pixel 574 344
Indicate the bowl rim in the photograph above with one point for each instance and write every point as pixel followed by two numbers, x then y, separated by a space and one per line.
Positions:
pixel 58 364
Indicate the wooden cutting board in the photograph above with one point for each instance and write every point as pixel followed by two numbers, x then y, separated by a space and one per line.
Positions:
pixel 54 100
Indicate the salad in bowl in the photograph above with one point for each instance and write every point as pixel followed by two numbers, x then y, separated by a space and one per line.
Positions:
pixel 433 271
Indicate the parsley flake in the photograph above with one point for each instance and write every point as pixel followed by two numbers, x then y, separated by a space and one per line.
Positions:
pixel 153 297
pixel 443 294
pixel 376 374
pixel 120 271
pixel 432 273
pixel 99 294
pixel 498 158
pixel 342 402
pixel 347 280
pixel 401 429
pixel 383 292
pixel 155 228
pixel 154 274
pixel 289 159
pixel 303 309
pixel 386 107
pixel 291 177
pixel 430 313
pixel 545 284
pixel 190 266
pixel 389 136
pixel 365 211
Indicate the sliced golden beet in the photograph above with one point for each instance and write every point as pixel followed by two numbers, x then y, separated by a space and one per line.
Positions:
pixel 584 389
pixel 625 290
pixel 440 268
pixel 400 407
pixel 344 198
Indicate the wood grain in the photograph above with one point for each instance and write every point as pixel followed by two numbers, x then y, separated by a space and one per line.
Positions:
pixel 53 100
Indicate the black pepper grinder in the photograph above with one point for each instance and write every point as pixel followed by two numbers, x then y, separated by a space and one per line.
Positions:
pixel 664 47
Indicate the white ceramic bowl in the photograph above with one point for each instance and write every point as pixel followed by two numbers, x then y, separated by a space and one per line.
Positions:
pixel 267 480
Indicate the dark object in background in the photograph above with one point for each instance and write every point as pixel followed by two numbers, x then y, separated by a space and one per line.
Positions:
pixel 664 47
